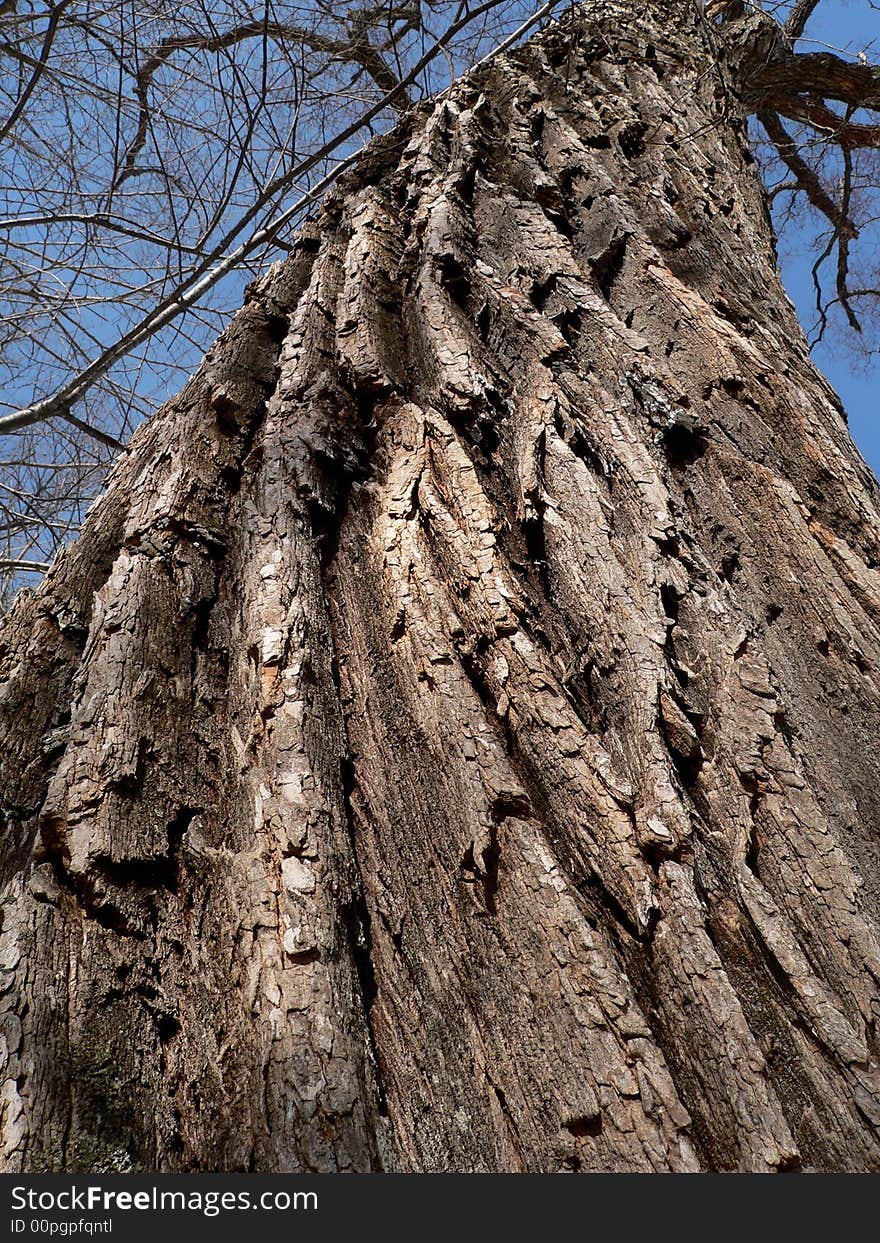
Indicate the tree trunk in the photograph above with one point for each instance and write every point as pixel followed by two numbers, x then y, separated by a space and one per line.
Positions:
pixel 453 742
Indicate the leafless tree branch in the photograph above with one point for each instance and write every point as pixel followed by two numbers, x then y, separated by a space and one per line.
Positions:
pixel 798 18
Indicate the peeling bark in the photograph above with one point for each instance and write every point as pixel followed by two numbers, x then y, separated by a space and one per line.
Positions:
pixel 451 744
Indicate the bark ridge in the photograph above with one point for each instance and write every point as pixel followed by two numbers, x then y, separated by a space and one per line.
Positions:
pixel 451 744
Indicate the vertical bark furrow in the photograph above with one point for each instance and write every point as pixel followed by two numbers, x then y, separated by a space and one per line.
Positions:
pixel 451 745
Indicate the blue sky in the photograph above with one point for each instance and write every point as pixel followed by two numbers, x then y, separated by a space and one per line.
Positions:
pixel 849 25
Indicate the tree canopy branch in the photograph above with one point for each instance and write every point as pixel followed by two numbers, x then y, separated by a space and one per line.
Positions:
pixel 819 75
pixel 358 48
pixel 225 255
pixel 807 179
pixel 798 18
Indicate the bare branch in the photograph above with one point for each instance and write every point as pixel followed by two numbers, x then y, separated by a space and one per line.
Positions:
pixel 846 134
pixel 358 48
pixel 222 258
pixel 98 219
pixel 55 15
pixel 820 75
pixel 96 433
pixel 843 242
pixel 21 566
pixel 798 18
pixel 806 178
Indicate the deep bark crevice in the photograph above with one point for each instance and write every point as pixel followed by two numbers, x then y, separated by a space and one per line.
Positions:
pixel 453 738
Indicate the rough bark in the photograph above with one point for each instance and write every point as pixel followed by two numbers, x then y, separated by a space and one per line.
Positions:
pixel 452 743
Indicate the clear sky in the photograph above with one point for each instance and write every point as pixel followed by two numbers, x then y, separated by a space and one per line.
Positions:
pixel 853 26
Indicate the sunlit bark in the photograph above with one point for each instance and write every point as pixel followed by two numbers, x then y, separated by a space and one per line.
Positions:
pixel 452 744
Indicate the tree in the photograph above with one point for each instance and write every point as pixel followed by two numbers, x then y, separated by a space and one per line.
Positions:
pixel 452 742
pixel 154 157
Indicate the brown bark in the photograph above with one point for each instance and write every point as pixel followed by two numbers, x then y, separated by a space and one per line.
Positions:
pixel 452 744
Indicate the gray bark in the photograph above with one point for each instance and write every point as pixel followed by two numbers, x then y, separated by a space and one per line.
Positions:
pixel 452 743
